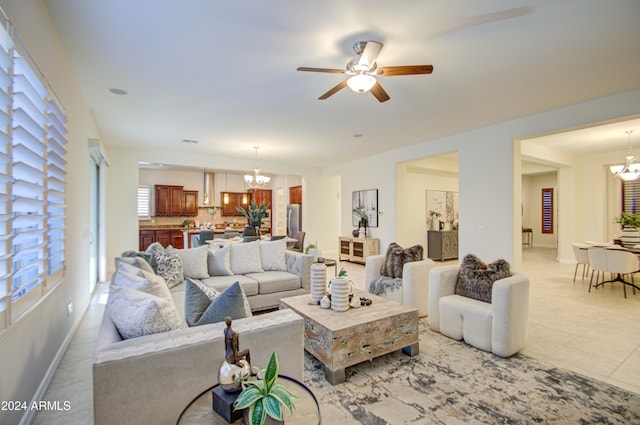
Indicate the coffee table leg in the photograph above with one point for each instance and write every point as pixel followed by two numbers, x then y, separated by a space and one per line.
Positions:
pixel 334 377
pixel 412 350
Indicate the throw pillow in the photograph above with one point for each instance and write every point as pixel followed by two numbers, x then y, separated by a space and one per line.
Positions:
pixel 170 266
pixel 136 313
pixel 219 261
pixel 146 255
pixel 396 257
pixel 475 278
pixel 245 258
pixel 194 262
pixel 201 310
pixel 136 261
pixel 149 283
pixel 272 255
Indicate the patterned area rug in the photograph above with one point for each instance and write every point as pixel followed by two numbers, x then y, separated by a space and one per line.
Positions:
pixel 453 383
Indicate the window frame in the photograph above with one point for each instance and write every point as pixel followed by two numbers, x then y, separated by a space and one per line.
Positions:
pixel 547 212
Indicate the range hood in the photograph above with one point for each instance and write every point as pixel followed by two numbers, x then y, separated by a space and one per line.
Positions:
pixel 208 197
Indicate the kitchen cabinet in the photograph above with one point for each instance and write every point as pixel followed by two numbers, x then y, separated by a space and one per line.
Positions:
pixel 295 195
pixel 442 245
pixel 165 237
pixel 169 201
pixel 236 199
pixel 190 202
pixel 261 195
pixel 357 250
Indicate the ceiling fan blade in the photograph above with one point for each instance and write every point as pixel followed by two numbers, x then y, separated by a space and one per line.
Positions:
pixel 332 71
pixel 334 90
pixel 370 54
pixel 379 92
pixel 390 71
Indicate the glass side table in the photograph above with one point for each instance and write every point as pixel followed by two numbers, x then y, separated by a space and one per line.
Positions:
pixel 307 412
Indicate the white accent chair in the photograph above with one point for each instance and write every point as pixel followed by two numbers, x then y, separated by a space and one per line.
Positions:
pixel 499 327
pixel 580 251
pixel 415 282
pixel 619 262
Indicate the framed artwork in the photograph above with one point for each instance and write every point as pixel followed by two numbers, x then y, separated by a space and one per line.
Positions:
pixel 441 206
pixel 364 202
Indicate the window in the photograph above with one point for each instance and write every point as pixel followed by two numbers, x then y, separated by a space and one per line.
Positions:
pixel 144 201
pixel 32 185
pixel 547 210
pixel 631 196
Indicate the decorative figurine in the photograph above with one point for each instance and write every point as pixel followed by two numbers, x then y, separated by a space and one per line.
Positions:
pixel 237 365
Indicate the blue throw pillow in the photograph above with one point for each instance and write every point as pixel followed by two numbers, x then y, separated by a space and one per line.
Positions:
pixel 201 310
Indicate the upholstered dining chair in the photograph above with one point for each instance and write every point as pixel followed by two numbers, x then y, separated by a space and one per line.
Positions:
pixel 205 235
pixel 228 234
pixel 622 263
pixel 580 251
pixel 598 264
pixel 195 241
pixel 299 244
pixel 249 231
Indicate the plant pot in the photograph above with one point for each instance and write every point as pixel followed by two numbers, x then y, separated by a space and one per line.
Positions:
pixel 630 237
pixel 268 420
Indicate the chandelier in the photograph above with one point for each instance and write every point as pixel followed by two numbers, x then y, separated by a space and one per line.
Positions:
pixel 256 181
pixel 630 170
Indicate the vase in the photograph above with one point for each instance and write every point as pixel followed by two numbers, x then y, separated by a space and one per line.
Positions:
pixel 340 289
pixel 630 237
pixel 355 233
pixel 318 281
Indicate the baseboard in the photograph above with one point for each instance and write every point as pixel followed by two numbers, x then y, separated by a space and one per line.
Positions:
pixel 29 415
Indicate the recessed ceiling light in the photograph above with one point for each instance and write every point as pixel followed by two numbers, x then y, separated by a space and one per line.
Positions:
pixel 189 141
pixel 119 92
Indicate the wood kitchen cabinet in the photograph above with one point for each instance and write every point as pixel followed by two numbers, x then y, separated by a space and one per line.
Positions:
pixel 261 195
pixel 169 201
pixel 190 202
pixel 295 195
pixel 236 199
pixel 165 237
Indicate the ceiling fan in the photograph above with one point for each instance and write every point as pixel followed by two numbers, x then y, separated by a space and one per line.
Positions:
pixel 363 69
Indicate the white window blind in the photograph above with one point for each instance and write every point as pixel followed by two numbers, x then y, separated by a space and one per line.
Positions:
pixel 32 185
pixel 144 201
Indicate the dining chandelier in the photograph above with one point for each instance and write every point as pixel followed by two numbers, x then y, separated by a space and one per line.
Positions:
pixel 630 170
pixel 256 180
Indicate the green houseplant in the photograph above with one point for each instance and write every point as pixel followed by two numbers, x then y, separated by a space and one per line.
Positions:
pixel 629 220
pixel 255 212
pixel 264 396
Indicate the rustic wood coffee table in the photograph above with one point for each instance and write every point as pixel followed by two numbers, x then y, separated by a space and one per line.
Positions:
pixel 343 339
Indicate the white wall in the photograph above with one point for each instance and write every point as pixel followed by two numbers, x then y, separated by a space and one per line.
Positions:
pixel 31 345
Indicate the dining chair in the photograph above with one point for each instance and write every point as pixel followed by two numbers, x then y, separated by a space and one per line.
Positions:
pixel 228 234
pixel 580 251
pixel 598 263
pixel 622 263
pixel 299 244
pixel 205 235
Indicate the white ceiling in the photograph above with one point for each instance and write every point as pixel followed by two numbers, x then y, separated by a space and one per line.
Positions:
pixel 224 72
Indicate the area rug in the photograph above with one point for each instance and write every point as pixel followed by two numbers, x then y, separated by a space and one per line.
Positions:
pixel 451 382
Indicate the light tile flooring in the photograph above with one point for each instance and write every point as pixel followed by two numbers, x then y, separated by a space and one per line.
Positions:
pixel 596 334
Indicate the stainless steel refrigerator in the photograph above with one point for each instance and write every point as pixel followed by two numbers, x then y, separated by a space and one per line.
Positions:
pixel 294 220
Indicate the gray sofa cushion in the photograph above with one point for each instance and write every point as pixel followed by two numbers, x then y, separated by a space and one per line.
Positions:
pixel 136 261
pixel 272 255
pixel 194 262
pixel 219 261
pixel 201 310
pixel 271 282
pixel 220 283
pixel 151 283
pixel 245 258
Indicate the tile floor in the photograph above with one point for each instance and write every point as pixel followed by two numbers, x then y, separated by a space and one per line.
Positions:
pixel 596 334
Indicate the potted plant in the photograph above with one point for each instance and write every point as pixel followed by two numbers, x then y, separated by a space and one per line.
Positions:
pixel 630 229
pixel 255 212
pixel 264 397
pixel 433 215
pixel 629 220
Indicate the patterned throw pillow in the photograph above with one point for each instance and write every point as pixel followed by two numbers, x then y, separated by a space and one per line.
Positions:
pixel 475 278
pixel 272 255
pixel 169 266
pixel 245 258
pixel 136 313
pixel 142 281
pixel 194 262
pixel 396 257
pixel 204 305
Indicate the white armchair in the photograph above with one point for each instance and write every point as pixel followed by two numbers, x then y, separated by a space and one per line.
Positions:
pixel 499 327
pixel 414 290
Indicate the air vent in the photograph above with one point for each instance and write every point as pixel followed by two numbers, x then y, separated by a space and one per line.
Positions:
pixel 189 141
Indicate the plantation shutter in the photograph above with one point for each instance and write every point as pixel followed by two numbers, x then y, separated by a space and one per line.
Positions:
pixel 5 180
pixel 630 196
pixel 144 201
pixel 547 210
pixel 56 206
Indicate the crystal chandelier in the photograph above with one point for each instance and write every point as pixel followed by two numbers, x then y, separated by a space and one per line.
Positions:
pixel 256 181
pixel 629 171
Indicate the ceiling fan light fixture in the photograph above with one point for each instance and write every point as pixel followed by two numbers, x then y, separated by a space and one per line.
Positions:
pixel 361 83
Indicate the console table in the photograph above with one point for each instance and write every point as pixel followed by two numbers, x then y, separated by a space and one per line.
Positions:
pixel 442 245
pixel 357 250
